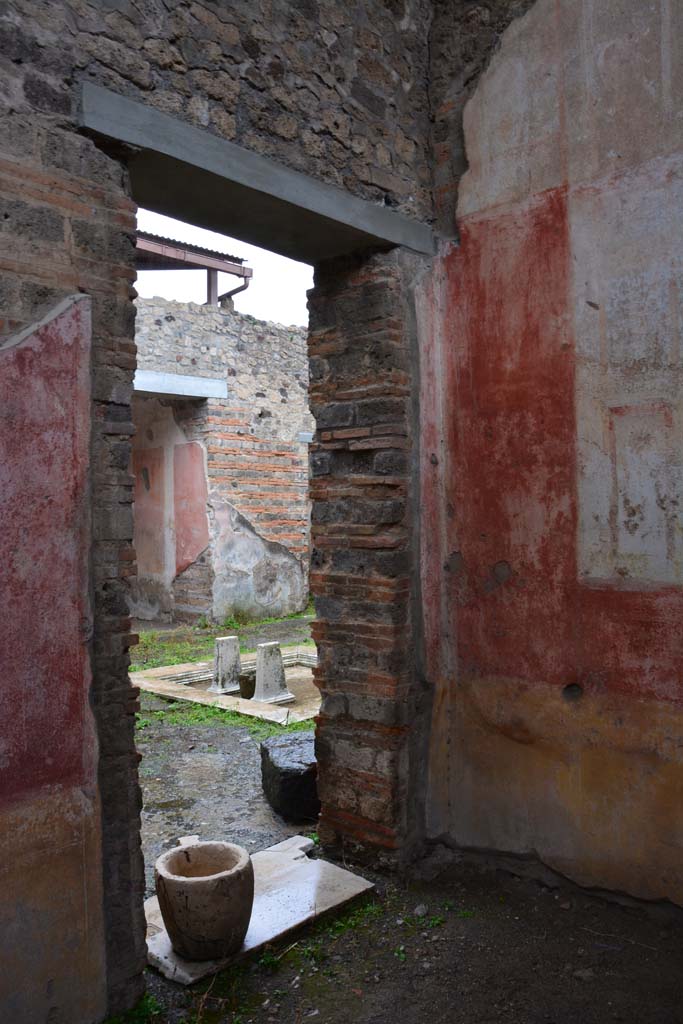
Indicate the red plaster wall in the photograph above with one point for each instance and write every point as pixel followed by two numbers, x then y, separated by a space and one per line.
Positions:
pixel 148 469
pixel 511 436
pixel 44 627
pixel 551 470
pixel 52 945
pixel 189 502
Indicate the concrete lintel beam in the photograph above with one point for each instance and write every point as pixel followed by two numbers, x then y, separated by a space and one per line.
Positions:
pixel 190 174
pixel 180 385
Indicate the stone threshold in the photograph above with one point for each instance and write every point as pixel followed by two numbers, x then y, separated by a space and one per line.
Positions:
pixel 290 890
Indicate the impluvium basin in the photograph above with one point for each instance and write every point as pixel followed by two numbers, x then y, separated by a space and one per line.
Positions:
pixel 206 893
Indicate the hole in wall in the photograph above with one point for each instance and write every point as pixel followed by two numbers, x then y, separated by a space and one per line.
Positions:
pixel 572 693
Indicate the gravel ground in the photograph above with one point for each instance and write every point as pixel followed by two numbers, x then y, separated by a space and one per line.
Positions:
pixel 475 946
pixel 201 779
pixel 472 947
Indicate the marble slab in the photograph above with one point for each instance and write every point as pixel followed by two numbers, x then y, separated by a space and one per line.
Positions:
pixel 290 890
pixel 189 683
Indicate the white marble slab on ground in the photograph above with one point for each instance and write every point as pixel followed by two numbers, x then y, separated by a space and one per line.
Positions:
pixel 161 682
pixel 290 889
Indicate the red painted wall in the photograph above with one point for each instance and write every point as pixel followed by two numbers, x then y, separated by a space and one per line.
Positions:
pixel 44 524
pixel 148 468
pixel 520 607
pixel 552 478
pixel 190 496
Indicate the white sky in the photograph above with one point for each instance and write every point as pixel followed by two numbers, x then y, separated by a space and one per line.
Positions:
pixel 277 290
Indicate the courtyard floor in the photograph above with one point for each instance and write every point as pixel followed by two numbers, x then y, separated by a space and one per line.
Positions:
pixel 474 946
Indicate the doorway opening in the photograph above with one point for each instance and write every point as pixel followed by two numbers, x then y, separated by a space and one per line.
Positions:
pixel 362 349
pixel 221 526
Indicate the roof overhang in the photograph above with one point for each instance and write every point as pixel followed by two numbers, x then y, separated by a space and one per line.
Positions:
pixel 159 254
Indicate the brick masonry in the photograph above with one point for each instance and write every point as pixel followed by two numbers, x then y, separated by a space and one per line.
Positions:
pixel 370 727
pixel 256 463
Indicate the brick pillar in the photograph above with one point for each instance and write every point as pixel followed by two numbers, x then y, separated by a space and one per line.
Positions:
pixel 371 728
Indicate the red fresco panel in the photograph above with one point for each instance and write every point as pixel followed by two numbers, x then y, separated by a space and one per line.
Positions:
pixel 189 497
pixel 44 543
pixel 515 600
pixel 148 468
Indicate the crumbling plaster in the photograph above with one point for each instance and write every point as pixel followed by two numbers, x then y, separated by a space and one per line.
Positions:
pixel 552 471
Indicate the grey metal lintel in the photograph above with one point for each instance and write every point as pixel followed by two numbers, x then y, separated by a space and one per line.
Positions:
pixel 195 176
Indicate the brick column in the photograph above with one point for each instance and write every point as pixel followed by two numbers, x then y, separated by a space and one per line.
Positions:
pixel 371 730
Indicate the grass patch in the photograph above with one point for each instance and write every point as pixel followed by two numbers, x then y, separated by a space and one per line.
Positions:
pixel 239 621
pixel 146 1011
pixel 360 917
pixel 191 715
pixel 157 648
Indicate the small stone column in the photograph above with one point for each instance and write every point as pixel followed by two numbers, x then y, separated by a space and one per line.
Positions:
pixel 271 687
pixel 226 665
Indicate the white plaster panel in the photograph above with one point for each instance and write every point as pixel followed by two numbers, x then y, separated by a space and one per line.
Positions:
pixel 628 279
pixel 620 72
pixel 579 90
pixel 513 121
pixel 648 494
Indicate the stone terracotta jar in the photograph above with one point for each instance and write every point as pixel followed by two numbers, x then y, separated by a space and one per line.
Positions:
pixel 206 892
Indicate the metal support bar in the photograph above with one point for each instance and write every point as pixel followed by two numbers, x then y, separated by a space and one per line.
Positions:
pixel 211 287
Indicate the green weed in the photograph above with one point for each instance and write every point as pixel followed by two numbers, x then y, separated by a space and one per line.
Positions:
pixel 190 715
pixel 313 952
pixel 269 960
pixel 146 1011
pixel 355 918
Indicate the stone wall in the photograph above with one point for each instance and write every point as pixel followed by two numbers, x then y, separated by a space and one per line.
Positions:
pixel 334 91
pixel 255 559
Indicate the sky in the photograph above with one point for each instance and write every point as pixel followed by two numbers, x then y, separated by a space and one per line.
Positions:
pixel 277 290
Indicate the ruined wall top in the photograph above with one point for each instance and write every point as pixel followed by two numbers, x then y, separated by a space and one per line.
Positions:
pixel 265 364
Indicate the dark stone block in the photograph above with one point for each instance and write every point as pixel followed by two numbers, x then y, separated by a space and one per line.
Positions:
pixel 289 775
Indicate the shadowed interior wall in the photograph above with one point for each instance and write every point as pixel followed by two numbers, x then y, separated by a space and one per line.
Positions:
pixel 552 455
pixel 51 867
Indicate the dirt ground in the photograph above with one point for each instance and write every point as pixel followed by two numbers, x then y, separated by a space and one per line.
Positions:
pixel 475 946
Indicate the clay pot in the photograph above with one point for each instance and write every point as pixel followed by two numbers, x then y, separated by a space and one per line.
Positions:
pixel 206 892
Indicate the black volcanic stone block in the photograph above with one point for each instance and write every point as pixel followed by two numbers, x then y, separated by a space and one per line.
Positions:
pixel 289 776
